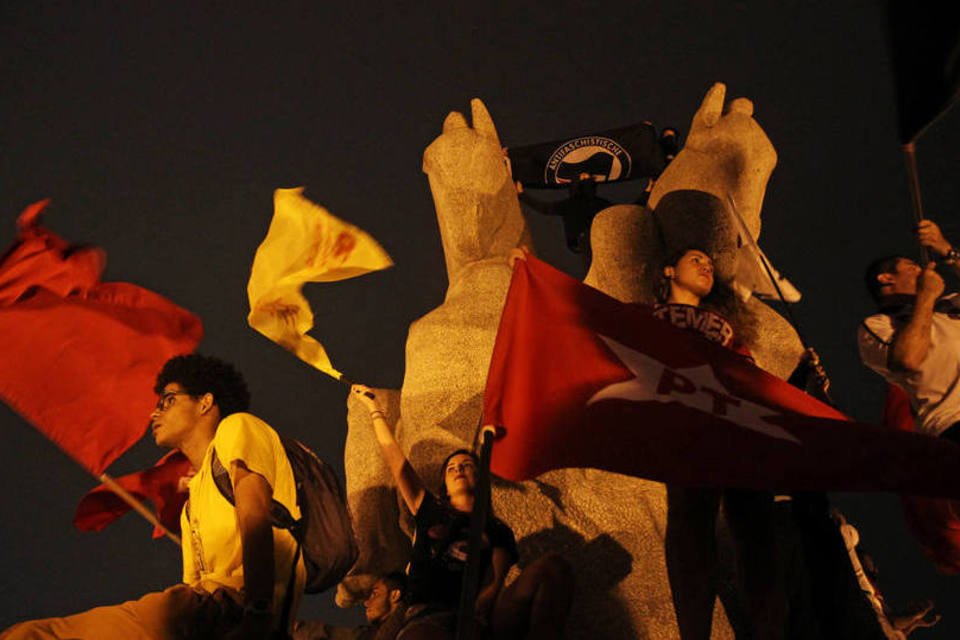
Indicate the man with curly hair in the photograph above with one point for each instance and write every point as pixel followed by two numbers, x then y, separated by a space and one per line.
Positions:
pixel 236 568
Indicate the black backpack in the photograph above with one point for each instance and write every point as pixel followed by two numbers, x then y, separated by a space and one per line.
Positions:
pixel 324 532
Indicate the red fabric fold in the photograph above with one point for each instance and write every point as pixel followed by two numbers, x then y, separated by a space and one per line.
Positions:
pixel 80 356
pixel 578 379
pixel 159 484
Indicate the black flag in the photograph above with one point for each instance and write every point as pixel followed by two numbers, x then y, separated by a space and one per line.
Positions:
pixel 925 47
pixel 607 156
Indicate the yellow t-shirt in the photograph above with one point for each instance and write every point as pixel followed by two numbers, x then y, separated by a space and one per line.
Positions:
pixel 212 552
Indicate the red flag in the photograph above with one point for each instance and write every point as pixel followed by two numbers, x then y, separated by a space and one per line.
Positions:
pixel 932 521
pixel 578 379
pixel 160 484
pixel 80 356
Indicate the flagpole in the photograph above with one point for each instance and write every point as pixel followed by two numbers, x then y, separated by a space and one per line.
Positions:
pixel 776 286
pixel 347 381
pixel 466 627
pixel 769 271
pixel 913 180
pixel 127 497
pixel 137 506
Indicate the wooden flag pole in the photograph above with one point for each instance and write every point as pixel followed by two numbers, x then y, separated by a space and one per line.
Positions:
pixel 127 497
pixel 137 506
pixel 347 381
pixel 913 180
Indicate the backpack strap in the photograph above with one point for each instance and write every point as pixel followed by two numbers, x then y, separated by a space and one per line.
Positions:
pixel 280 516
pixel 221 478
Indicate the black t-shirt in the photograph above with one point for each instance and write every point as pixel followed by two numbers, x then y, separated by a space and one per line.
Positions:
pixel 439 555
pixel 709 324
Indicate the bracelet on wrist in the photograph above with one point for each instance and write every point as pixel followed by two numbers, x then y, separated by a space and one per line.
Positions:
pixel 952 256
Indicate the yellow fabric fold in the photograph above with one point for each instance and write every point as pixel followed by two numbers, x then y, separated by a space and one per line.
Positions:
pixel 305 243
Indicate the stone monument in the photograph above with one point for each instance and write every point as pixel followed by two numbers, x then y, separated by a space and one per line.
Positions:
pixel 610 527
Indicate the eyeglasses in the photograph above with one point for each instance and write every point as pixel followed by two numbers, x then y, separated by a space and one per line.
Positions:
pixel 168 399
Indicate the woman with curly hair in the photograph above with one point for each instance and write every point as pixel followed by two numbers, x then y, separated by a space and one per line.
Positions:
pixel 690 298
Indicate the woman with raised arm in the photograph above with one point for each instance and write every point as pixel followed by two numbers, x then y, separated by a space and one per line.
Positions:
pixel 534 605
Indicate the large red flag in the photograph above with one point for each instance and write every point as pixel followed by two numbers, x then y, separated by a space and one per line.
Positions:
pixel 80 356
pixel 578 379
pixel 160 484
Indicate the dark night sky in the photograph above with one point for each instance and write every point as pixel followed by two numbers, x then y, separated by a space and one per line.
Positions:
pixel 161 134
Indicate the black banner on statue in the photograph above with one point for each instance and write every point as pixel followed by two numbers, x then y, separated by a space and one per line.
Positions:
pixel 608 156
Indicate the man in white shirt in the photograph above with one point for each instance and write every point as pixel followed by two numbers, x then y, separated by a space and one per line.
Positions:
pixel 914 341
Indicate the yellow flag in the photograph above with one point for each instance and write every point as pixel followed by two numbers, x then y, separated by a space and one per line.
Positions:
pixel 305 243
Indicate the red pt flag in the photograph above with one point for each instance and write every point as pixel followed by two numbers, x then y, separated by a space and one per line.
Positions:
pixel 80 356
pixel 579 379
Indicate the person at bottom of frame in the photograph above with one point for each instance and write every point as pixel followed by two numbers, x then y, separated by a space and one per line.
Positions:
pixel 686 291
pixel 385 609
pixel 535 605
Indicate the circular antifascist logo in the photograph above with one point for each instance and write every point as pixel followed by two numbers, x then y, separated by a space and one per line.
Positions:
pixel 601 158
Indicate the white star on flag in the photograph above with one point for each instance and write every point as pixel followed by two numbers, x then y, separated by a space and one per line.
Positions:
pixel 696 387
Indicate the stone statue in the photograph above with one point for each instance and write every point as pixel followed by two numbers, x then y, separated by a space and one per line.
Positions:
pixel 610 527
